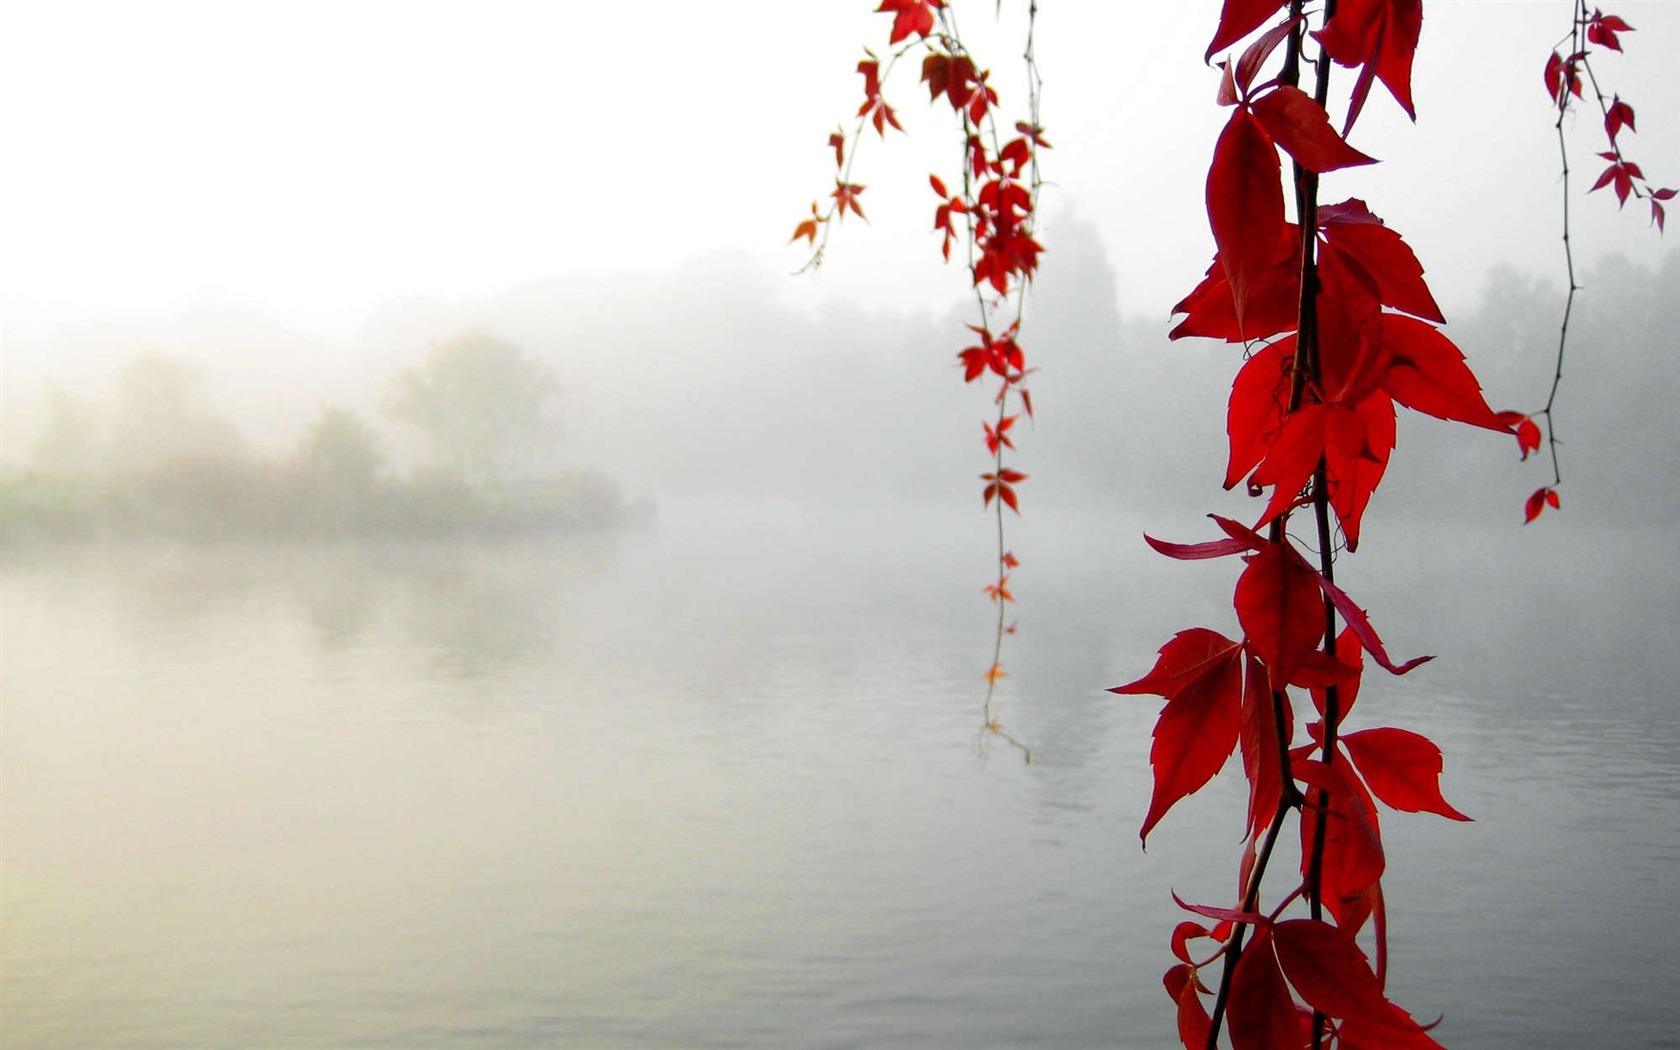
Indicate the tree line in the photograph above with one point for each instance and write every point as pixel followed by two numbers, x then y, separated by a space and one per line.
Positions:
pixel 161 460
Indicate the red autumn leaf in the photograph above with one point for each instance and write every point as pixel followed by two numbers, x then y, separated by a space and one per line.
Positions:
pixel 1602 30
pixel 1194 1023
pixel 1351 358
pixel 1349 653
pixel 1199 673
pixel 1033 132
pixel 1619 175
pixel 955 77
pixel 1196 551
pixel 999 435
pixel 874 108
pixel 1309 434
pixel 1273 304
pixel 1539 501
pixel 1563 78
pixel 1526 429
pixel 1017 153
pixel 1003 488
pixel 1427 374
pixel 999 591
pixel 912 16
pixel 1183 933
pixel 1302 128
pixel 1380 37
pixel 1353 480
pixel 1617 117
pixel 1224 915
pixel 1237 19
pixel 1254 56
pixel 808 228
pixel 1327 967
pixel 1351 229
pixel 1278 604
pixel 1005 256
pixel 1402 768
pixel 1261 1011
pixel 1245 207
pixel 1352 853
pixel 1360 624
pixel 1333 975
pixel 845 195
pixel 1258 741
pixel 1238 531
pixel 1259 402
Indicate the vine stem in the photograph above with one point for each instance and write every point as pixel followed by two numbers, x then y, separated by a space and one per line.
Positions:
pixel 1576 32
pixel 1010 382
pixel 1304 377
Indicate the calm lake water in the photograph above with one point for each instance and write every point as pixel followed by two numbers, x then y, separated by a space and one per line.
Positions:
pixel 717 783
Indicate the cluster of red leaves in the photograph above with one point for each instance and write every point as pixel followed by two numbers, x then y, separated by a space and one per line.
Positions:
pixel 1563 82
pixel 1311 418
pixel 990 209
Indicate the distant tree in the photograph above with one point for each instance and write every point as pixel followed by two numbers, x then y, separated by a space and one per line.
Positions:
pixel 69 442
pixel 164 419
pixel 339 452
pixel 480 402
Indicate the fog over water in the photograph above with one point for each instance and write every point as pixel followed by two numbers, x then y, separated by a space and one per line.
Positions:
pixel 458 588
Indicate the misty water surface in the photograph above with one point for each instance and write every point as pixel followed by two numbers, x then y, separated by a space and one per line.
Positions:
pixel 716 782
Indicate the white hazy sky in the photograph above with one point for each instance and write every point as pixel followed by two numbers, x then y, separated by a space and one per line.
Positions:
pixel 312 159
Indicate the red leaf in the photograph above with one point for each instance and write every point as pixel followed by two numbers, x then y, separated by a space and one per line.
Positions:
pixel 1360 624
pixel 1245 206
pixel 1538 502
pixel 1380 36
pixel 1352 854
pixel 1427 373
pixel 1349 653
pixel 1526 430
pixel 1183 933
pixel 1262 1012
pixel 1237 19
pixel 1617 117
pixel 1273 304
pixel 1278 605
pixel 1301 127
pixel 1194 1024
pixel 913 16
pixel 1602 30
pixel 1259 401
pixel 845 195
pixel 999 436
pixel 1199 672
pixel 1262 759
pixel 1196 551
pixel 1326 966
pixel 1255 55
pixel 1224 915
pixel 1350 228
pixel 1402 769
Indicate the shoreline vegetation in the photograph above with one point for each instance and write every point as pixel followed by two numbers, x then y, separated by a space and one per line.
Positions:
pixel 209 500
pixel 160 461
